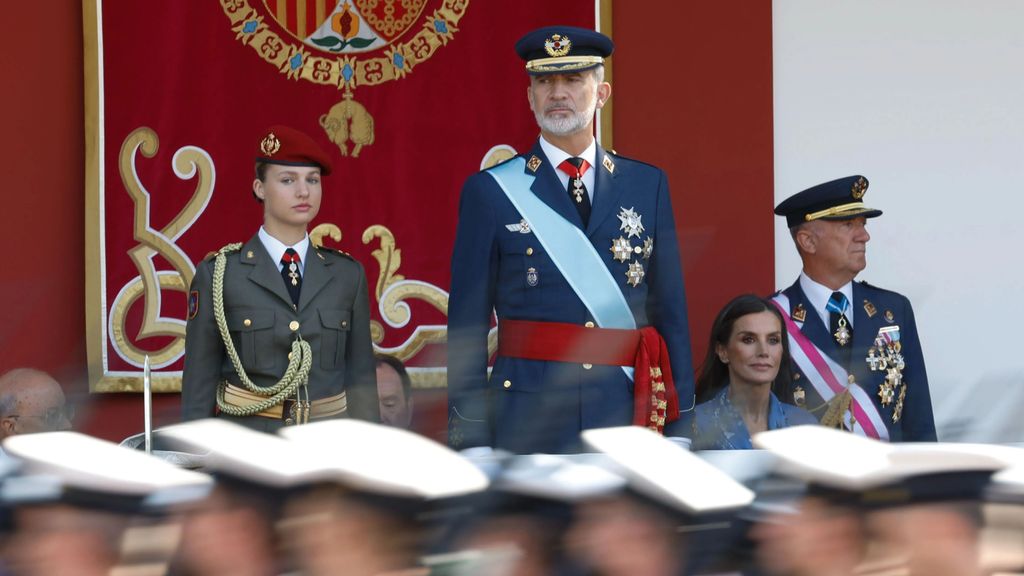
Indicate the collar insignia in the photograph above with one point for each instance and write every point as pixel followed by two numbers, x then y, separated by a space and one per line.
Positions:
pixel 870 309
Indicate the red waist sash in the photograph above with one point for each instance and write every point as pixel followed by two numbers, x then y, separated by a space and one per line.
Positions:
pixel 655 400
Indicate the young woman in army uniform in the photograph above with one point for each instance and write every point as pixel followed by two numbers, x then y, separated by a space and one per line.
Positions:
pixel 278 329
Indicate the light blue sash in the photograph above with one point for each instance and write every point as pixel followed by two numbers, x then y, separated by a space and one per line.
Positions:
pixel 570 250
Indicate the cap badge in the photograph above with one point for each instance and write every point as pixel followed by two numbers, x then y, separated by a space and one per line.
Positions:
pixel 270 145
pixel 557 46
pixel 859 188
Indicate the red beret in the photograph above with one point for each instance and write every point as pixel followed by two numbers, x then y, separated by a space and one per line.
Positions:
pixel 289 147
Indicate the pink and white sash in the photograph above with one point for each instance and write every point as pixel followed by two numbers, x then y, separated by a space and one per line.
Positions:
pixel 829 378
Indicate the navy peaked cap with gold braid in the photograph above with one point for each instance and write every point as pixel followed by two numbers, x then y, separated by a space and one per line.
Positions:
pixel 840 199
pixel 563 49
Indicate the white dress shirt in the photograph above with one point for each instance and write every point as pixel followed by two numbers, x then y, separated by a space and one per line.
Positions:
pixel 276 249
pixel 818 295
pixel 556 156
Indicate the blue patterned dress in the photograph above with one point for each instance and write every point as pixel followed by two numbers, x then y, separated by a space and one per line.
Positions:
pixel 716 425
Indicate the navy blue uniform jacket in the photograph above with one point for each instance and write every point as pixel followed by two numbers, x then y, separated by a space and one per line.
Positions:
pixel 916 423
pixel 538 406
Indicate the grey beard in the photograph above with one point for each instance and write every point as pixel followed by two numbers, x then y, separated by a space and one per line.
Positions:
pixel 568 125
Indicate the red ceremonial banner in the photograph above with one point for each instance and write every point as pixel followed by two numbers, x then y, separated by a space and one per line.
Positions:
pixel 409 97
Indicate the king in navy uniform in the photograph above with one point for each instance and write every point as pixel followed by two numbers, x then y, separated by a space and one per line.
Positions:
pixel 857 360
pixel 574 248
pixel 278 329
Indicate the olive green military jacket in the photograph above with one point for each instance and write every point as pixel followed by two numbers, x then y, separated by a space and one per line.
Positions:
pixel 333 316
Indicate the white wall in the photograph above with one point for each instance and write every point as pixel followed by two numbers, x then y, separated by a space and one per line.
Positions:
pixel 926 99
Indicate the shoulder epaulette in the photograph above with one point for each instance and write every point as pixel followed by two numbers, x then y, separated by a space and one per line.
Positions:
pixel 336 251
pixel 873 287
pixel 505 161
pixel 629 159
pixel 227 249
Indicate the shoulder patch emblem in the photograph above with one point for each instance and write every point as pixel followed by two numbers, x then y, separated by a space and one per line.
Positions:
pixel 193 304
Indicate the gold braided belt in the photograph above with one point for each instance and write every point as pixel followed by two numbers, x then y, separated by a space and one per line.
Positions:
pixel 291 411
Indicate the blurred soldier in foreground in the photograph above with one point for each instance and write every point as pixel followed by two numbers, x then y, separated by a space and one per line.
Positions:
pixel 74 498
pixel 871 507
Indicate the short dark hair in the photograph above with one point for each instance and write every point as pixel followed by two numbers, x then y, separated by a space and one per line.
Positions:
pixel 399 367
pixel 714 375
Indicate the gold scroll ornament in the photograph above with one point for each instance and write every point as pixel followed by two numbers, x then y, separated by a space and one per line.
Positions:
pixel 189 162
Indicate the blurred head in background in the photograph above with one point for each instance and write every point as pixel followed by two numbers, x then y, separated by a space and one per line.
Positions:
pixel 31 401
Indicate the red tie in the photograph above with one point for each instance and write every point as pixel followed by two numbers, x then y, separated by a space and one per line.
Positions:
pixel 290 272
pixel 576 167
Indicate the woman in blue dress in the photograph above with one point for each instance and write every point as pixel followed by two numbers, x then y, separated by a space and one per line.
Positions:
pixel 741 368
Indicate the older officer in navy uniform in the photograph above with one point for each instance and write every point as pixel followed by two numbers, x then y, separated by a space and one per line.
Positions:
pixel 575 250
pixel 857 361
pixel 278 329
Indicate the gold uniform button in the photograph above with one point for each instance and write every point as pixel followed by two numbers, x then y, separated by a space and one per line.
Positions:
pixel 529 251
pixel 247 322
pixel 289 355
pixel 289 422
pixel 637 249
pixel 588 366
pixel 589 324
pixel 344 323
pixel 293 325
pixel 507 384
